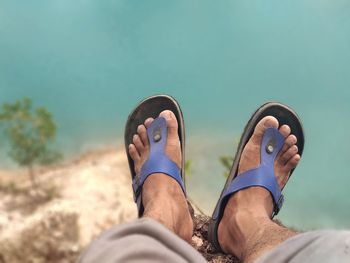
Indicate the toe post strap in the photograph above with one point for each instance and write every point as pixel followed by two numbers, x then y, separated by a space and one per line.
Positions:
pixel 262 176
pixel 157 161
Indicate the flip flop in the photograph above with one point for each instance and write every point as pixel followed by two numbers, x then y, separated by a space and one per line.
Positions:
pixel 157 161
pixel 264 175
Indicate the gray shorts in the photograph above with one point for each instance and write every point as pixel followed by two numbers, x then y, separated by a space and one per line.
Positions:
pixel 145 240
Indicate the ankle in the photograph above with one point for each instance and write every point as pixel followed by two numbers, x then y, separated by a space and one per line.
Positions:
pixel 172 214
pixel 165 202
pixel 238 227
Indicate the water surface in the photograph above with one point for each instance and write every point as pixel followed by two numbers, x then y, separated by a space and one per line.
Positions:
pixel 90 61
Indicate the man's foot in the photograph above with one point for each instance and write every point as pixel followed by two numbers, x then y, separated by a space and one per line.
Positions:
pixel 162 196
pixel 248 211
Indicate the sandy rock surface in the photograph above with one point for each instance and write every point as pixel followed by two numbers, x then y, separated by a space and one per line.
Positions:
pixel 72 205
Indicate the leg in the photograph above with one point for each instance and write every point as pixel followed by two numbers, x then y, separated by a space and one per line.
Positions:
pixel 152 238
pixel 162 196
pixel 143 240
pixel 316 246
pixel 246 229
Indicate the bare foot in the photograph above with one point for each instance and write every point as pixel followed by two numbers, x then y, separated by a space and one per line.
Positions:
pixel 248 210
pixel 162 196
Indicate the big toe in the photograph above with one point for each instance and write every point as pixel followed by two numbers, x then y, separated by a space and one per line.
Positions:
pixel 263 124
pixel 172 124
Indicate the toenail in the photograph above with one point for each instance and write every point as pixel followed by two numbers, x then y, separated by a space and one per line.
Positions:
pixel 167 115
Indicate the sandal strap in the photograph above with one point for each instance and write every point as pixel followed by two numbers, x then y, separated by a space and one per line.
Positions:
pixel 262 176
pixel 157 161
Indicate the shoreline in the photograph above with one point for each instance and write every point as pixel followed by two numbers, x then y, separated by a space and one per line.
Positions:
pixel 76 200
pixel 65 200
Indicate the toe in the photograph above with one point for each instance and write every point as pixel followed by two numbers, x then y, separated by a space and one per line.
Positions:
pixel 138 143
pixel 286 156
pixel 289 142
pixel 251 154
pixel 134 153
pixel 171 123
pixel 148 122
pixel 142 132
pixel 285 130
pixel 263 124
pixel 293 162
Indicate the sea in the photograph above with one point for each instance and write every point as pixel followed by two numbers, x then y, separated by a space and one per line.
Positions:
pixel 89 62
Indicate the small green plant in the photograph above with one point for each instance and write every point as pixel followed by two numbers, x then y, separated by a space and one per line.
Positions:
pixel 188 168
pixel 29 132
pixel 227 162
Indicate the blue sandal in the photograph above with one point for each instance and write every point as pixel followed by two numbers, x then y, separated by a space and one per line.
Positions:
pixel 157 161
pixel 262 176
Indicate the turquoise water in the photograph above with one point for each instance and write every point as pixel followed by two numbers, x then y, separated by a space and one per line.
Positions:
pixel 90 61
